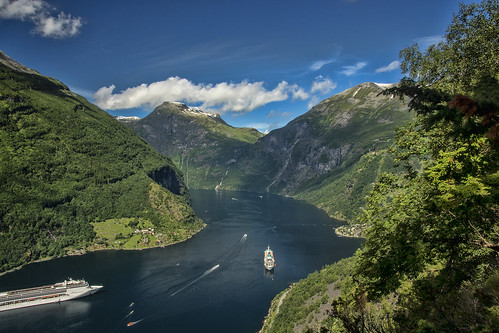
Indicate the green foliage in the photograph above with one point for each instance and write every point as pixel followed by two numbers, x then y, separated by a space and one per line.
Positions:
pixel 329 156
pixel 342 194
pixel 432 240
pixel 468 52
pixel 429 262
pixel 434 227
pixel 64 163
pixel 302 300
pixel 128 233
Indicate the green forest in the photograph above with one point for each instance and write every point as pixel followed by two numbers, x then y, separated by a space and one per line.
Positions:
pixel 65 163
pixel 429 262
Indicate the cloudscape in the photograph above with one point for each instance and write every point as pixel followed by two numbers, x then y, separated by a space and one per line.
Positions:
pixel 240 60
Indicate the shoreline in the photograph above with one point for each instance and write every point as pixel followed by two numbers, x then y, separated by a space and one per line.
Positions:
pixel 102 249
pixel 350 231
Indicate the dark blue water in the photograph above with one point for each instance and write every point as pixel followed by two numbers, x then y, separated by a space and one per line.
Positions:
pixel 214 282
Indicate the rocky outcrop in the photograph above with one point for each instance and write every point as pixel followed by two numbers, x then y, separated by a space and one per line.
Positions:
pixel 169 179
pixel 14 65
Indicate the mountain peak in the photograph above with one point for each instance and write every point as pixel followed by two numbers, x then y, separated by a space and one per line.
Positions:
pixel 385 85
pixel 190 111
pixel 366 85
pixel 14 65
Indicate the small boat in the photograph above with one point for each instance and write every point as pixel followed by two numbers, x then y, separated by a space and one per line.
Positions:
pixel 268 259
pixel 134 322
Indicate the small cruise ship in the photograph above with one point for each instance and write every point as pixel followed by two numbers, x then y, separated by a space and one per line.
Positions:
pixel 268 259
pixel 53 293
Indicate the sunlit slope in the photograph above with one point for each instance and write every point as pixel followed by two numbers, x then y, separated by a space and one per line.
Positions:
pixel 330 155
pixel 65 163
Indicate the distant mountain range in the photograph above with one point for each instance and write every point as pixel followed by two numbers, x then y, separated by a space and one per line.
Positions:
pixel 329 156
pixel 66 165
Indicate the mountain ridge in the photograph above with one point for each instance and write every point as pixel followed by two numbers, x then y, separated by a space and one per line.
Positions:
pixel 14 65
pixel 194 140
pixel 65 165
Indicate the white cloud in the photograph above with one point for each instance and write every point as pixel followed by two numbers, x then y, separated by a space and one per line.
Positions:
pixel 391 67
pixel 313 102
pixel 222 97
pixel 261 127
pixel 58 27
pixel 320 63
pixel 322 85
pixel 40 13
pixel 20 9
pixel 298 93
pixel 351 70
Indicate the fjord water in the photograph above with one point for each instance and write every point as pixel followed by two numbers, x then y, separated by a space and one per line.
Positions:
pixel 214 282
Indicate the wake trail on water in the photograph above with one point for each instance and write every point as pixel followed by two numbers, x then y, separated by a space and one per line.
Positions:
pixel 129 311
pixel 162 271
pixel 128 315
pixel 224 259
pixel 134 322
pixel 211 270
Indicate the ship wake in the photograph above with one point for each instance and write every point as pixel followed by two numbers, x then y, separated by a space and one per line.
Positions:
pixel 223 260
pixel 208 272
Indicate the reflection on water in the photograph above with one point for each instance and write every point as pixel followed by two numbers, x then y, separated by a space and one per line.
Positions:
pixel 73 313
pixel 215 277
pixel 269 274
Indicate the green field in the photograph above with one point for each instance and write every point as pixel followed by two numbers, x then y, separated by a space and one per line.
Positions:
pixel 127 233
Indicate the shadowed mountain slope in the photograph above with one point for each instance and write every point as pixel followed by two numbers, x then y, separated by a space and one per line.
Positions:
pixel 65 163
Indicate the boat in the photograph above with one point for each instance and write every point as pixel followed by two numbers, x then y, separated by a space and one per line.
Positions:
pixel 268 259
pixel 53 293
pixel 134 322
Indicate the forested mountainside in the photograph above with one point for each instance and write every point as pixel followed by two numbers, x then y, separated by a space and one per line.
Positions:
pixel 429 262
pixel 329 156
pixel 200 143
pixel 67 168
pixel 332 154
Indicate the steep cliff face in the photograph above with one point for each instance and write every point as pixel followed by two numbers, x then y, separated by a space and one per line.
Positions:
pixel 300 153
pixel 332 154
pixel 169 179
pixel 174 127
pixel 323 142
pixel 202 144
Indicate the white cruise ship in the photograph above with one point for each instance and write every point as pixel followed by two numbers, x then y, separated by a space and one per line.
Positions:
pixel 268 259
pixel 54 293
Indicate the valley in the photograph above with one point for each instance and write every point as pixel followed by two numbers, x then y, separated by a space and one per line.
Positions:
pixel 328 157
pixel 188 125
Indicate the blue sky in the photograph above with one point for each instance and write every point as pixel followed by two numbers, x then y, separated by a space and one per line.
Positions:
pixel 257 63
